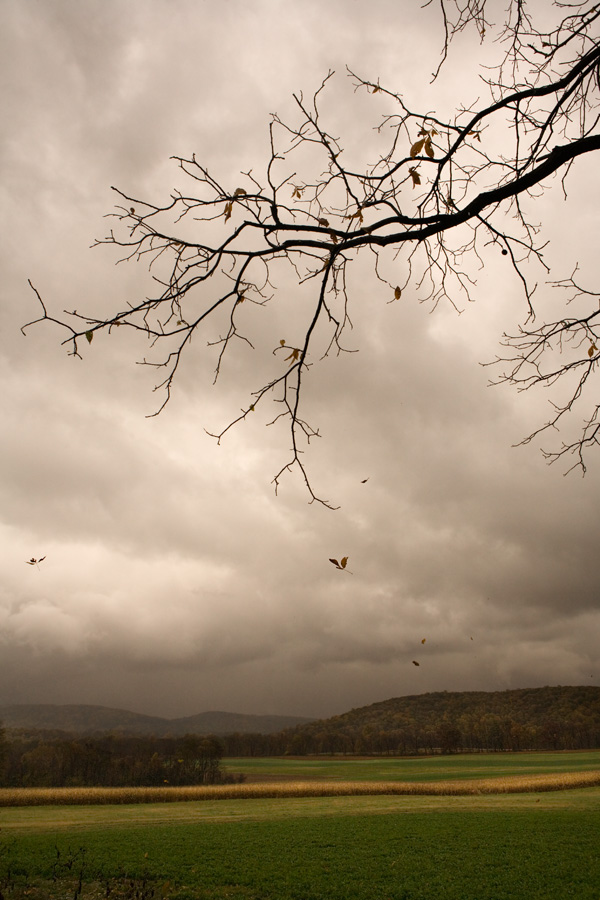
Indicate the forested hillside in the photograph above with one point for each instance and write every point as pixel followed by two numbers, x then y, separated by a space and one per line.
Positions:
pixel 549 718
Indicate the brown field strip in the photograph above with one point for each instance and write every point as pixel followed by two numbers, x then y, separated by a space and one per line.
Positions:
pixel 514 784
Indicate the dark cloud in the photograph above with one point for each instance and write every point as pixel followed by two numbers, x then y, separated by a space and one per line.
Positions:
pixel 175 581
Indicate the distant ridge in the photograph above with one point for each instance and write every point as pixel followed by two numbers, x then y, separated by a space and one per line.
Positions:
pixel 558 717
pixel 88 720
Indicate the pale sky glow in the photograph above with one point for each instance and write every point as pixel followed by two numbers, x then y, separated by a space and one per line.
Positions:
pixel 175 581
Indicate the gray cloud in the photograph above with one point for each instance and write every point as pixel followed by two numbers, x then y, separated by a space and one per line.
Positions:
pixel 175 581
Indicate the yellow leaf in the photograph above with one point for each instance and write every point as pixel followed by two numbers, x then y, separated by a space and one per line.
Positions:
pixel 416 148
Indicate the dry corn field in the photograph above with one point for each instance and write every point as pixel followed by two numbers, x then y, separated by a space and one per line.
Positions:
pixel 512 784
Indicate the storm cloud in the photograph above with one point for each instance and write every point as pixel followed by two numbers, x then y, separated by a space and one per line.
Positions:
pixel 175 581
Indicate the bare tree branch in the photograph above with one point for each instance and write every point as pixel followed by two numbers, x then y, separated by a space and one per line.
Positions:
pixel 437 192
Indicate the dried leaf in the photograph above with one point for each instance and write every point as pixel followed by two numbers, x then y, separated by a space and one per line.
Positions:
pixel 416 178
pixel 282 342
pixel 239 192
pixel 228 210
pixel 429 148
pixel 90 336
pixel 397 293
pixel 415 663
pixel 593 349
pixel 336 563
pixel 416 148
pixel 323 222
pixel 344 562
pixel 423 641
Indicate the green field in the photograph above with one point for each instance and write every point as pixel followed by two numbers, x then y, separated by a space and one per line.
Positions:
pixel 436 768
pixel 543 846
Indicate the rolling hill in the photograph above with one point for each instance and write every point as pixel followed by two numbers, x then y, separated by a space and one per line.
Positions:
pixel 90 720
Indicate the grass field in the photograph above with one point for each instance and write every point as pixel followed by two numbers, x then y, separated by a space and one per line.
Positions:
pixel 436 768
pixel 526 846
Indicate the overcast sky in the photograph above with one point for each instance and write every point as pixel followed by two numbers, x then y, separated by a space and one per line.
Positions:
pixel 175 581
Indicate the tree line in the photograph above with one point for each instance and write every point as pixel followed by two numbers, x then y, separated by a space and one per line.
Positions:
pixel 109 761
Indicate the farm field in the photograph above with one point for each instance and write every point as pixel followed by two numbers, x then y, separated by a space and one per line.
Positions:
pixel 436 768
pixel 530 846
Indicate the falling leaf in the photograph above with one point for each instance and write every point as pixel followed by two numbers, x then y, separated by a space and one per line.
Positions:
pixel 423 641
pixel 90 336
pixel 364 481
pixel 416 178
pixel 33 561
pixel 341 565
pixel 416 148
pixel 415 663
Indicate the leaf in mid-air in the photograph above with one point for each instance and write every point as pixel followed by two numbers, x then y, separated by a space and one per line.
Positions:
pixel 415 663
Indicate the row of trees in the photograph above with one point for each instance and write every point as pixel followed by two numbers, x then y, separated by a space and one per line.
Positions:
pixel 468 733
pixel 111 761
